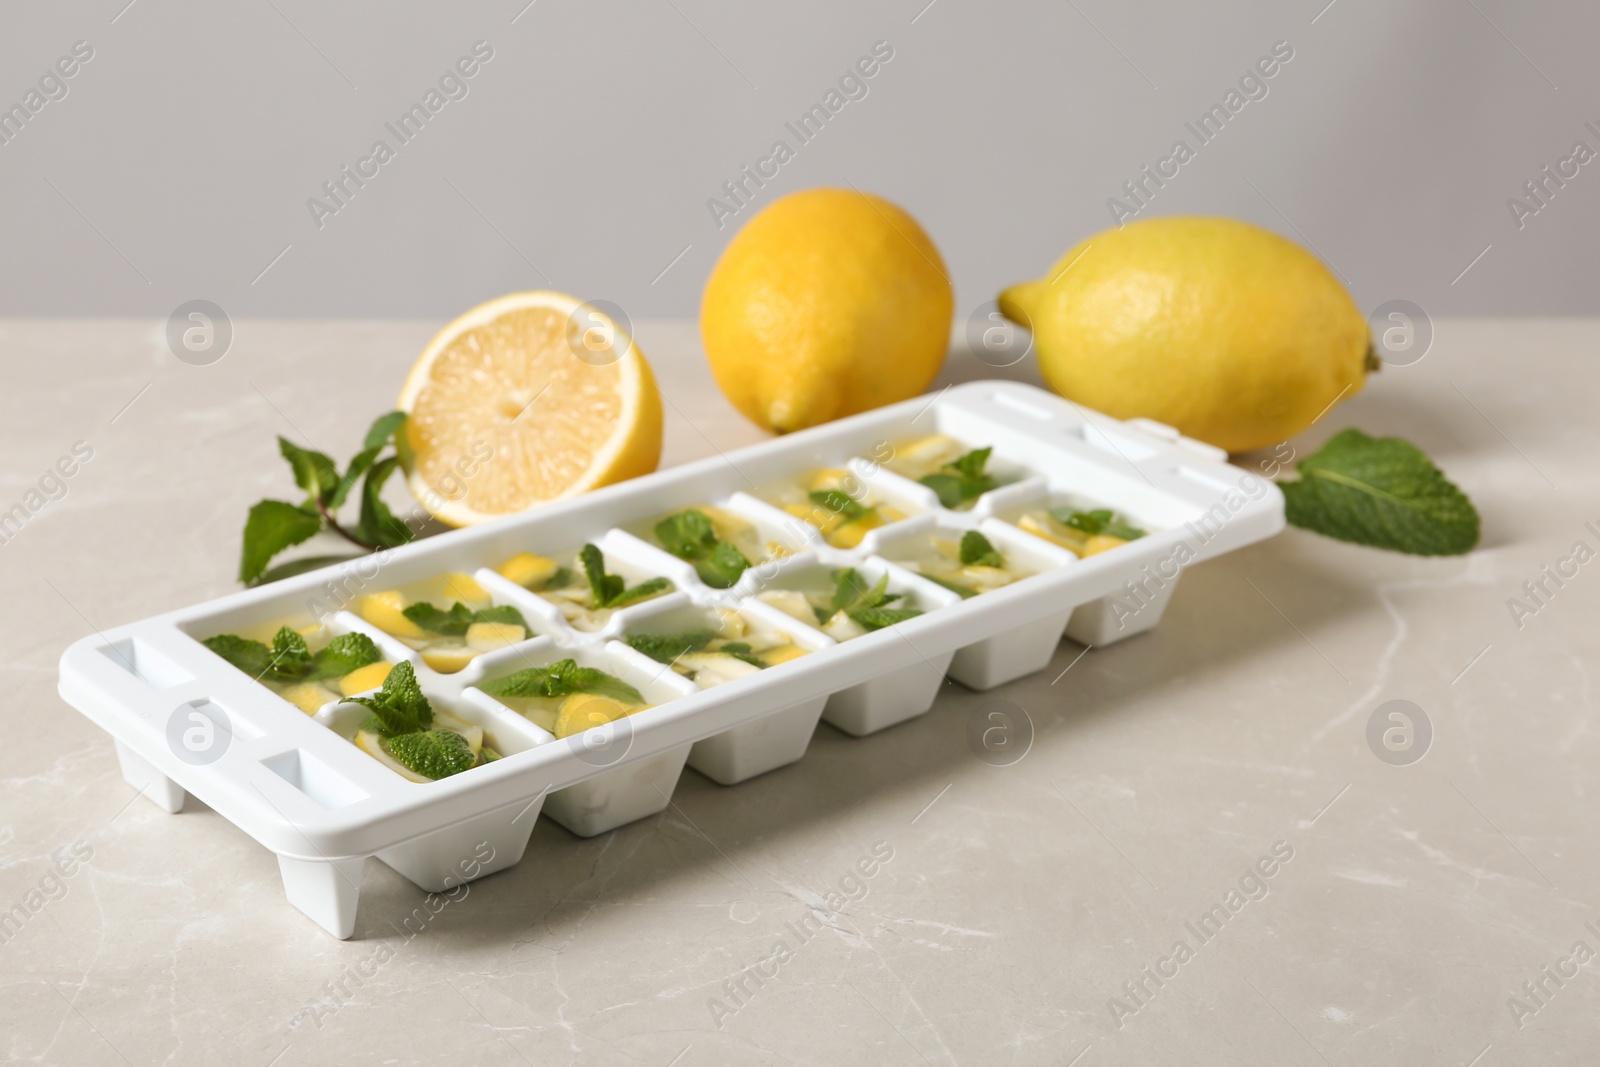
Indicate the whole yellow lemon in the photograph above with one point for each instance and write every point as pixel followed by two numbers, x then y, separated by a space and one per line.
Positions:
pixel 829 302
pixel 1230 333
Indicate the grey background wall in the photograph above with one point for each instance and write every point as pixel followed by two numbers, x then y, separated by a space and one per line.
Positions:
pixel 179 162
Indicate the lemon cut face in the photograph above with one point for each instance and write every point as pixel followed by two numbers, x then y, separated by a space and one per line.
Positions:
pixel 523 400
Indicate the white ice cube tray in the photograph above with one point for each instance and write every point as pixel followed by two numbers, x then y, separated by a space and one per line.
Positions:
pixel 185 721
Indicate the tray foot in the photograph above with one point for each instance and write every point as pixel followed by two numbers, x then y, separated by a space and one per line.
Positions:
pixel 326 890
pixel 620 796
pixel 774 741
pixel 1008 656
pixel 457 854
pixel 1121 615
pixel 887 699
pixel 161 790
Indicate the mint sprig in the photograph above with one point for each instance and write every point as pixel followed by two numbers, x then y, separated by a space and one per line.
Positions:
pixel 962 479
pixel 345 653
pixel 274 526
pixel 460 618
pixel 1098 521
pixel 840 503
pixel 741 650
pixel 560 679
pixel 399 707
pixel 612 590
pixel 868 605
pixel 1383 492
pixel 666 648
pixel 690 535
pixel 289 660
pixel 977 551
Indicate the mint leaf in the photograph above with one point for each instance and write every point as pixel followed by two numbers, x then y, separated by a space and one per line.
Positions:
pixel 976 551
pixel 878 618
pixel 502 613
pixel 1098 521
pixel 1383 492
pixel 452 623
pixel 358 466
pixel 288 659
pixel 602 586
pixel 690 535
pixel 741 651
pixel 345 653
pixel 611 590
pixel 841 503
pixel 722 567
pixel 643 591
pixel 962 479
pixel 431 753
pixel 291 659
pixel 271 527
pixel 971 465
pixel 399 706
pixel 456 621
pixel 665 648
pixel 560 679
pixel 313 471
pixel 249 656
pixel 378 524
pixel 687 535
pixel 383 429
pixel 949 488
pixel 851 591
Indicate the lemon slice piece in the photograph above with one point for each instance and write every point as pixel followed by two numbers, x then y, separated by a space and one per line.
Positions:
pixel 386 611
pixel 448 659
pixel 364 678
pixel 528 570
pixel 580 711
pixel 529 398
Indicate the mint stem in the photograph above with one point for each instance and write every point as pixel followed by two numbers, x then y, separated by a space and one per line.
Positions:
pixel 333 524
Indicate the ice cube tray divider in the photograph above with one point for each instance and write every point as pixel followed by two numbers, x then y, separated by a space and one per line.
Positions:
pixel 296 785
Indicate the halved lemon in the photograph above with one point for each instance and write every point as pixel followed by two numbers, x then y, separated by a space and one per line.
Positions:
pixel 526 399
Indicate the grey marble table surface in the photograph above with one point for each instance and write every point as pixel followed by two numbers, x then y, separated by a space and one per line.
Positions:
pixel 1208 785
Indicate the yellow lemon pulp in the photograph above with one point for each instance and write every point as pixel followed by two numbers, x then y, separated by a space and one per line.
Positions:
pixel 364 678
pixel 527 569
pixel 580 711
pixel 309 697
pixel 526 399
pixel 448 659
pixel 386 611
pixel 465 587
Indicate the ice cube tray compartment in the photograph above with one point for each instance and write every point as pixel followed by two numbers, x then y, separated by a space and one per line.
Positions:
pixel 295 784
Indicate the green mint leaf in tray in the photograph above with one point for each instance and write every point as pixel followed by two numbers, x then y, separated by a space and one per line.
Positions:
pixel 977 551
pixel 399 706
pixel 666 648
pixel 345 653
pixel 690 536
pixel 431 753
pixel 559 679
